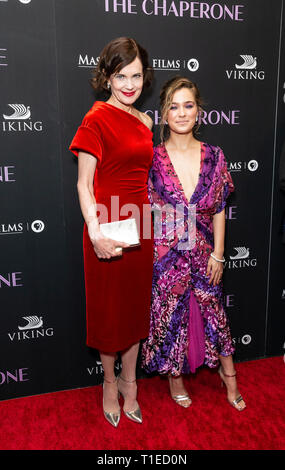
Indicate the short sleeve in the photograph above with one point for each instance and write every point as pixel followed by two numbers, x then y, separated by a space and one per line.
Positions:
pixel 224 183
pixel 87 139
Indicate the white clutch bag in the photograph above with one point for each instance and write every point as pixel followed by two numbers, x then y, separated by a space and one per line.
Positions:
pixel 122 231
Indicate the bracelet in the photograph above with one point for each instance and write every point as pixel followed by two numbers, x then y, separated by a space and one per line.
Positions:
pixel 217 259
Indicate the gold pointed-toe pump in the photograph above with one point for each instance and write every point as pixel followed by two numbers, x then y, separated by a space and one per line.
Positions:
pixel 136 414
pixel 112 417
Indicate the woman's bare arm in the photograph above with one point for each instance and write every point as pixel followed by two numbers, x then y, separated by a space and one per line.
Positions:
pixel 215 268
pixel 104 247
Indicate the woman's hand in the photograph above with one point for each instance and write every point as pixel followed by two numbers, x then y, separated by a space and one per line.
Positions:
pixel 215 271
pixel 106 248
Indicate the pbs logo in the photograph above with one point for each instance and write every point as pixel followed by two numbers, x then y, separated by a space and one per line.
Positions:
pixel 252 165
pixel 37 226
pixel 246 339
pixel 192 65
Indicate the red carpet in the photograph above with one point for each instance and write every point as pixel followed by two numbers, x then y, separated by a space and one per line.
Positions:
pixel 74 419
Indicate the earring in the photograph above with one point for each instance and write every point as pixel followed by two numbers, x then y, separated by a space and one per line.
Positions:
pixel 196 120
pixel 108 85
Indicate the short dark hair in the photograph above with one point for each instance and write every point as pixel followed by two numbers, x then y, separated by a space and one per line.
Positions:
pixel 115 56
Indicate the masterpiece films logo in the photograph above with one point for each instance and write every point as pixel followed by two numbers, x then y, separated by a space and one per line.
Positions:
pixel 37 226
pixel 86 61
pixel 236 167
pixel 245 340
pixel 175 64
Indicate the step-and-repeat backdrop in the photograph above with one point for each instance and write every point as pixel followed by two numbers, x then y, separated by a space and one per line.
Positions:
pixel 48 48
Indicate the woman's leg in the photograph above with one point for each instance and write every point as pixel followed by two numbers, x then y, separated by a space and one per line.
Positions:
pixel 178 391
pixel 127 384
pixel 110 391
pixel 230 382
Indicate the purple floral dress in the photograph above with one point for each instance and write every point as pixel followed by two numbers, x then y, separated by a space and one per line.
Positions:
pixel 189 326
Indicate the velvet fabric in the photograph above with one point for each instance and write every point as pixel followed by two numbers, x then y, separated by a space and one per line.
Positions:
pixel 118 290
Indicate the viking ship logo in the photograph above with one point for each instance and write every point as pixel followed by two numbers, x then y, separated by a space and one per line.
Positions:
pixel 21 112
pixel 249 63
pixel 247 70
pixel 32 330
pixel 242 253
pixel 33 322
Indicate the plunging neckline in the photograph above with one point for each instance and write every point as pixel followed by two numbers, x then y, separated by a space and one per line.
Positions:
pixel 177 177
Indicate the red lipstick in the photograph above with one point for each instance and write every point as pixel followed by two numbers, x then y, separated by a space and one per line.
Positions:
pixel 128 94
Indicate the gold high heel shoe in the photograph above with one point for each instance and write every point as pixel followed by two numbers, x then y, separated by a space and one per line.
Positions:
pixel 234 403
pixel 112 417
pixel 182 400
pixel 135 415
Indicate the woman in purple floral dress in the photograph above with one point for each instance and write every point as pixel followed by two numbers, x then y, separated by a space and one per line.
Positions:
pixel 188 187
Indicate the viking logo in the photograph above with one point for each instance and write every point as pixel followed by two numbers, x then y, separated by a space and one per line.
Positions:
pixel 33 322
pixel 21 112
pixel 250 63
pixel 242 253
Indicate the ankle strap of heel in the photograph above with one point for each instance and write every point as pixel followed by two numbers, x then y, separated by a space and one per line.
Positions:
pixel 128 381
pixel 227 375
pixel 110 381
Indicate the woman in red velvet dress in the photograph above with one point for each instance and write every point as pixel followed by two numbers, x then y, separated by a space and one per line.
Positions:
pixel 114 184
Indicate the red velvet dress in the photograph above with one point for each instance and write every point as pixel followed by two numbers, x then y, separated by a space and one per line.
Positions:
pixel 118 291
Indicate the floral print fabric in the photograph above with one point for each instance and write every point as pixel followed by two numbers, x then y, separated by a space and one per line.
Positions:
pixel 180 287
